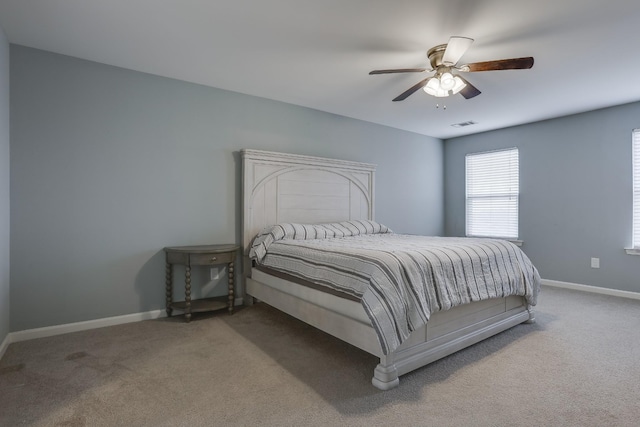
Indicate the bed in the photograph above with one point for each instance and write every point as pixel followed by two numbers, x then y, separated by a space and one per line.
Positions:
pixel 286 196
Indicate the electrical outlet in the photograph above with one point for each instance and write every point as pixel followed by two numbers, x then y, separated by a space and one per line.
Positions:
pixel 217 273
pixel 595 262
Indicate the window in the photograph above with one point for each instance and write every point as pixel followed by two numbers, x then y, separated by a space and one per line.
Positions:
pixel 636 188
pixel 492 181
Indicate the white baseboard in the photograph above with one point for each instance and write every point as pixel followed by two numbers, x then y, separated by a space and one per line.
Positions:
pixel 592 289
pixel 5 345
pixel 50 331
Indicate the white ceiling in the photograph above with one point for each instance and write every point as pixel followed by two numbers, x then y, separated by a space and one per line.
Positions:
pixel 317 53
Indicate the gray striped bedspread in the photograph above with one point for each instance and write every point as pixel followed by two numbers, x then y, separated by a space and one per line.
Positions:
pixel 399 279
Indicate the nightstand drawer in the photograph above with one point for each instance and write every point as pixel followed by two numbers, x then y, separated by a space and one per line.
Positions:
pixel 212 259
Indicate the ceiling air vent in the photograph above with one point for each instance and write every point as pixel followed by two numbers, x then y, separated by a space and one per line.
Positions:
pixel 463 124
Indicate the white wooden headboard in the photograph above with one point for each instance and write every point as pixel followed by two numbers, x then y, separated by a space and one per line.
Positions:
pixel 279 187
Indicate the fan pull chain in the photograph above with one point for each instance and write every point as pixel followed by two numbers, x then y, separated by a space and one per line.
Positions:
pixel 444 107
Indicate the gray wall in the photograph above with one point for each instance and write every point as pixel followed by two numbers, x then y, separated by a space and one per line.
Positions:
pixel 109 166
pixel 575 193
pixel 4 186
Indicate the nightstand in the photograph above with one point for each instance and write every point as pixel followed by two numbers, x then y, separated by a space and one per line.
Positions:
pixel 206 255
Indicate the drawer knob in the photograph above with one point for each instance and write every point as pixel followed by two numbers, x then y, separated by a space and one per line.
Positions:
pixel 213 259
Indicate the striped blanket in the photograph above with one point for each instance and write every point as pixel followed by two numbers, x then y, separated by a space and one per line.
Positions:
pixel 399 279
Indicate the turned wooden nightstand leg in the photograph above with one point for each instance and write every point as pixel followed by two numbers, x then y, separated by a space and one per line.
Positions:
pixel 187 293
pixel 231 289
pixel 169 288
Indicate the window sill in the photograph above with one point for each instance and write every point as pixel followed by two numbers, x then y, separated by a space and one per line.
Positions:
pixel 632 251
pixel 514 241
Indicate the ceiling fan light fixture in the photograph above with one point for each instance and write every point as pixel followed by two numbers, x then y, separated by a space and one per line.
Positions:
pixel 433 88
pixel 458 85
pixel 451 85
pixel 446 81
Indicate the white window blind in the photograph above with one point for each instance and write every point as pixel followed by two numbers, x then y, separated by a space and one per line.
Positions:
pixel 636 188
pixel 492 182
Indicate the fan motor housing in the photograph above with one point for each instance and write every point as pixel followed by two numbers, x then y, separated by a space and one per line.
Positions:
pixel 435 55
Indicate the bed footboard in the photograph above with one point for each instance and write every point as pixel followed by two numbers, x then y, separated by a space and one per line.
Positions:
pixel 420 353
pixel 445 333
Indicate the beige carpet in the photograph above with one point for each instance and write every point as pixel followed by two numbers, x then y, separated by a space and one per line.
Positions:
pixel 578 366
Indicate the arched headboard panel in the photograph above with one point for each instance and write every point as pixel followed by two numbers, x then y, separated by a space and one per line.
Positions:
pixel 279 187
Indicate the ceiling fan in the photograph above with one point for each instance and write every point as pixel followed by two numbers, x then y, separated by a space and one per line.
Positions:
pixel 444 60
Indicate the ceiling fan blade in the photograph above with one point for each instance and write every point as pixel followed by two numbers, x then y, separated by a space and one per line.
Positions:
pixel 502 64
pixel 404 95
pixel 469 91
pixel 399 70
pixel 456 47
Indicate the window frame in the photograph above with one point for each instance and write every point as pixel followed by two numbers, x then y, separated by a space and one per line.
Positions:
pixel 635 195
pixel 495 196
